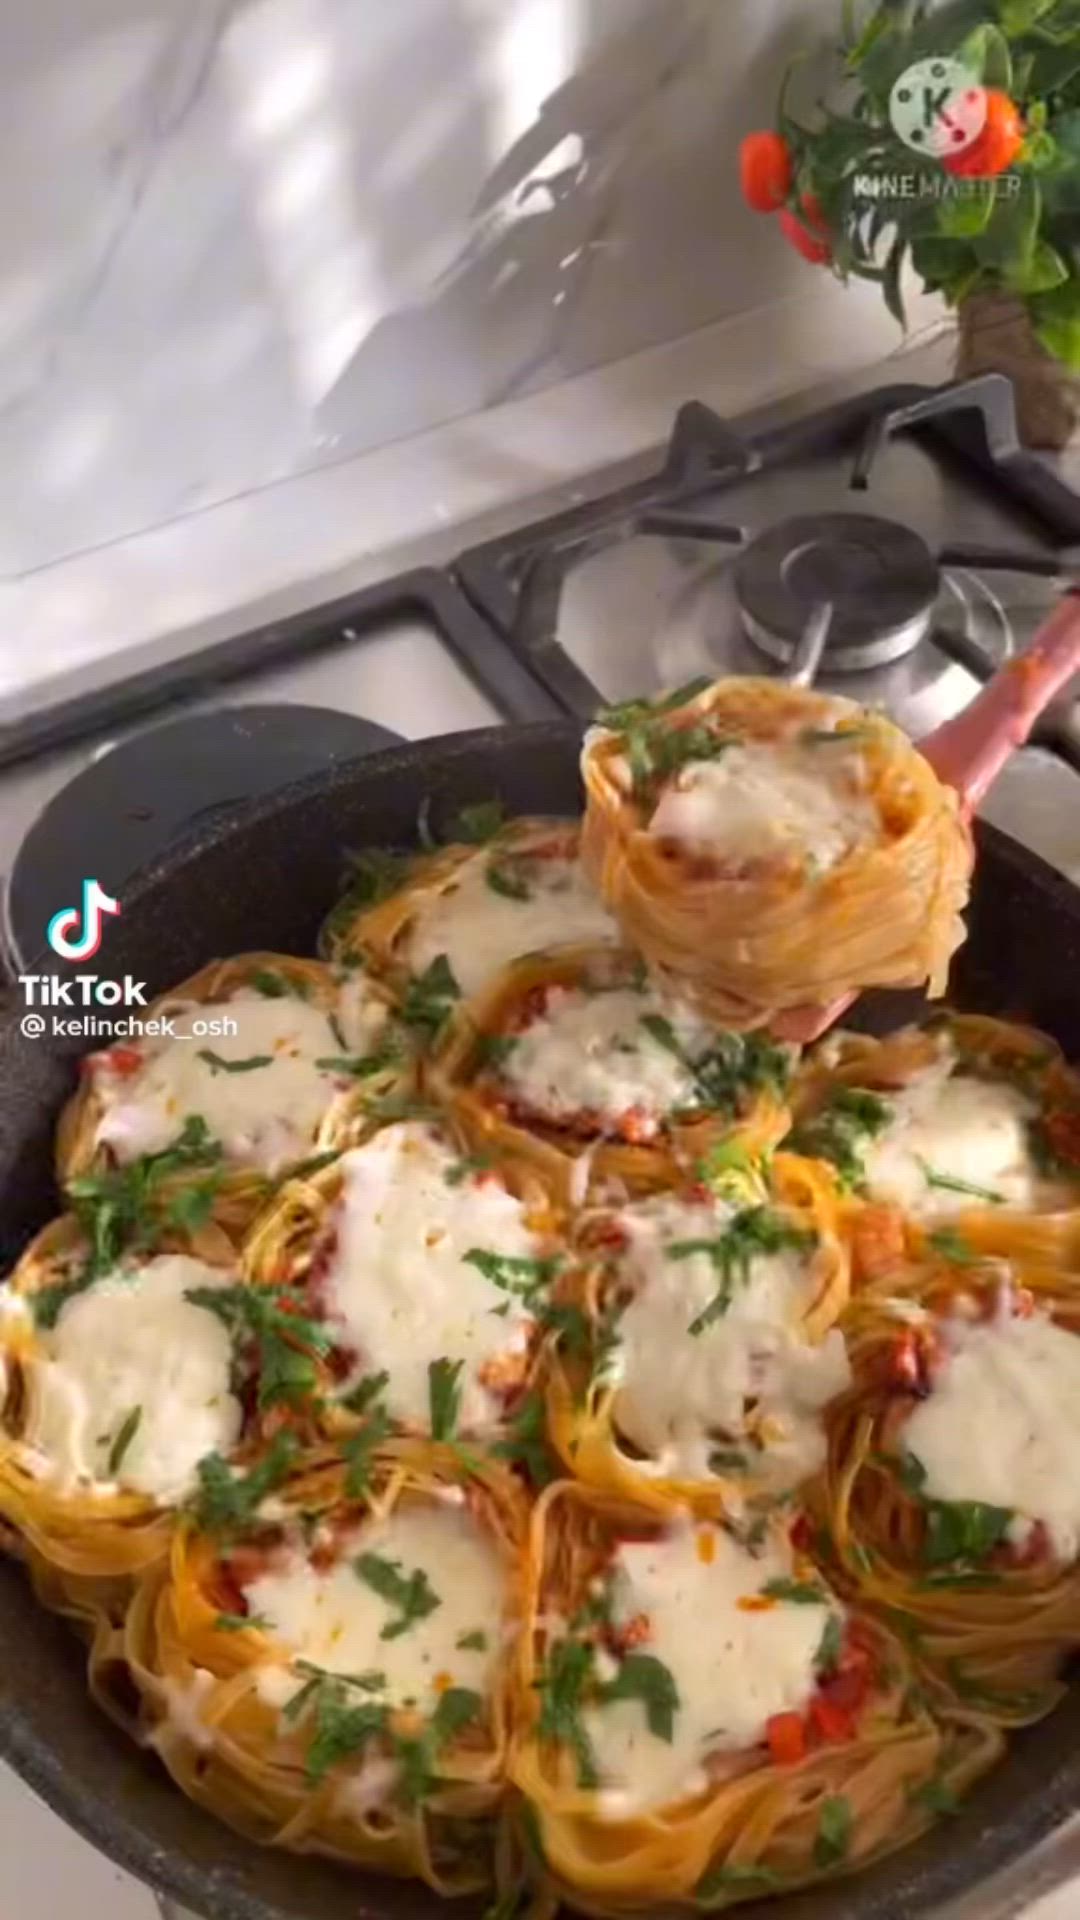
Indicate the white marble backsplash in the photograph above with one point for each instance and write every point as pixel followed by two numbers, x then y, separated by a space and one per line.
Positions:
pixel 243 238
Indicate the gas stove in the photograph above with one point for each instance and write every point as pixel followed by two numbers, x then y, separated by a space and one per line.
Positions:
pixel 897 548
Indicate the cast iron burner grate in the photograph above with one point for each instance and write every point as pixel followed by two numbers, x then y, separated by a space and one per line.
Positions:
pixel 870 598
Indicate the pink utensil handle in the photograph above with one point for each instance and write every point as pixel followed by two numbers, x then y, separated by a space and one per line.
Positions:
pixel 969 752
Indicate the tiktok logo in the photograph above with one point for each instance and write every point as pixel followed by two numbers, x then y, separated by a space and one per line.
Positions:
pixel 62 931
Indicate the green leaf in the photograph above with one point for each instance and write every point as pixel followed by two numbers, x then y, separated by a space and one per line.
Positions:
pixel 458 1707
pixel 642 1677
pixel 959 1530
pixel 240 1622
pixel 123 1440
pixel 1045 270
pixel 359 1450
pixel 472 1642
pixel 753 1232
pixel 374 874
pixel 891 285
pixel 1053 68
pixel 1019 16
pixel 834 1831
pixel 371 1680
pixel 341 1730
pixel 841 1132
pixel 735 1065
pixel 461 1170
pixel 728 1460
pixel 719 1882
pixel 952 1246
pixel 48 1303
pixel 494 1049
pixel 909 1471
pixel 190 1207
pixel 935 1795
pixel 508 879
pixel 117 1209
pixel 802 1593
pixel 830 1644
pixel 1056 317
pixel 430 997
pixel 513 1273
pixel 361 1066
pixel 947 1183
pixel 563 1680
pixel 284 1338
pixel 967 209
pixel 509 1905
pixel 479 823
pixel 977 1694
pixel 444 1397
pixel 986 53
pixel 1008 240
pixel 361 1397
pixel 273 985
pixel 227 1502
pixel 411 1594
pixel 619 717
pixel 941 262
pixel 525 1443
pixel 959 1577
pixel 218 1064
pixel 303 1169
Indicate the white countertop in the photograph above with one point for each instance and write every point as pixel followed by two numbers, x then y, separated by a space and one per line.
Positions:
pixel 277 549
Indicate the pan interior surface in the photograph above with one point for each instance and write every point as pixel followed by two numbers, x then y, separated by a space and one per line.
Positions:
pixel 265 879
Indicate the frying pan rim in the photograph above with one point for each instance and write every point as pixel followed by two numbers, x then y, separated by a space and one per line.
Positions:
pixel 106 1824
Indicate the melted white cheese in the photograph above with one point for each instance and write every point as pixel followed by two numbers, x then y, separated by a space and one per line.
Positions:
pixel 399 1281
pixel 336 1620
pixel 771 801
pixel 1002 1423
pixel 960 1127
pixel 589 1053
pixel 264 1117
pixel 679 1391
pixel 730 1679
pixel 183 1711
pixel 132 1340
pixel 481 931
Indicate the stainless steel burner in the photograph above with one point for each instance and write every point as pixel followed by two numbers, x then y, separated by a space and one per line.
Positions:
pixel 870 583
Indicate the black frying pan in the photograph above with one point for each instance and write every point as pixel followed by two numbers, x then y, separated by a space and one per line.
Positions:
pixel 265 880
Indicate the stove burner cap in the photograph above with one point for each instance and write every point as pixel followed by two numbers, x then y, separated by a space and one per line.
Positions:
pixel 880 579
pixel 141 796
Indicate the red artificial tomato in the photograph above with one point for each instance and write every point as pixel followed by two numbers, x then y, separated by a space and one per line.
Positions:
pixel 997 145
pixel 813 214
pixel 766 171
pixel 810 245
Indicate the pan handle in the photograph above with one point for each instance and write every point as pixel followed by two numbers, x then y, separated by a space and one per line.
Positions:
pixel 969 752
